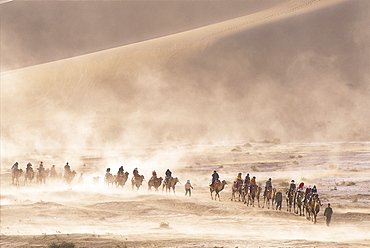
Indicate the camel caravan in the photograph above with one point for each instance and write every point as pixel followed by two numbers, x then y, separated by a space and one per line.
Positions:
pixel 302 202
pixel 40 175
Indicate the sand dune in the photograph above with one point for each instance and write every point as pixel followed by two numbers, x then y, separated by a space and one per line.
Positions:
pixel 296 71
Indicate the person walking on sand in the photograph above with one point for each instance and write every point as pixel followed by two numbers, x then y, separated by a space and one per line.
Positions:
pixel 328 213
pixel 279 199
pixel 188 188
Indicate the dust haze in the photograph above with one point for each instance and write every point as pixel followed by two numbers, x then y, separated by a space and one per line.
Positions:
pixel 275 88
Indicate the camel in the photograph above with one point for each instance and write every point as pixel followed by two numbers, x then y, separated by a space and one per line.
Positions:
pixel 69 175
pixel 156 183
pixel 314 207
pixel 254 194
pixel 30 174
pixel 237 188
pixel 246 194
pixel 267 196
pixel 121 179
pixel 217 187
pixel 298 201
pixel 170 184
pixel 109 179
pixel 42 175
pixel 16 174
pixel 137 181
pixel 289 200
pixel 306 207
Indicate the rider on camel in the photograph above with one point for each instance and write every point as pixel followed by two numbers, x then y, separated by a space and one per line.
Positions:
pixel 313 193
pixel 29 167
pixel 135 173
pixel 292 188
pixel 168 174
pixel 215 177
pixel 307 193
pixel 154 176
pixel 253 183
pixel 238 180
pixel 120 171
pixel 53 172
pixel 268 186
pixel 41 167
pixel 67 168
pixel 15 166
pixel 299 189
pixel 247 180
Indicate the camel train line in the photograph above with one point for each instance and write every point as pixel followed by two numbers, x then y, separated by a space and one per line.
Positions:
pixel 304 202
pixel 43 175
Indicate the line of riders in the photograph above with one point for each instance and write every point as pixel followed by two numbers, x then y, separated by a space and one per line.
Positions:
pixel 41 173
pixel 294 192
pixel 137 179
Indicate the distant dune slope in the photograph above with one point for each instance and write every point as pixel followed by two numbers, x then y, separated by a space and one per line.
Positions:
pixel 297 71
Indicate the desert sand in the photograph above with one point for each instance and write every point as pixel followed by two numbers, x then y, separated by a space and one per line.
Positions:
pixel 280 90
pixel 98 215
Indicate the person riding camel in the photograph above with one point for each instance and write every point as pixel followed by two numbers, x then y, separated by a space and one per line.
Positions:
pixel 135 172
pixel 292 187
pixel 307 193
pixel 53 172
pixel 313 193
pixel 215 178
pixel 154 176
pixel 168 174
pixel 15 166
pixel 247 180
pixel 299 189
pixel 268 186
pixel 67 168
pixel 238 180
pixel 120 171
pixel 253 183
pixel 29 167
pixel 41 167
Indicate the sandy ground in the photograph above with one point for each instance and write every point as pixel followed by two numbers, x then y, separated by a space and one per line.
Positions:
pixel 97 215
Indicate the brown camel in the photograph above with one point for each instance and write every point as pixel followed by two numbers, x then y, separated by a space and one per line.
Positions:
pixel 42 175
pixel 298 201
pixel 254 194
pixel 217 187
pixel 171 184
pixel 30 174
pixel 122 179
pixel 16 174
pixel 314 207
pixel 246 193
pixel 268 195
pixel 109 179
pixel 155 182
pixel 69 175
pixel 137 181
pixel 237 188
pixel 289 200
pixel 306 207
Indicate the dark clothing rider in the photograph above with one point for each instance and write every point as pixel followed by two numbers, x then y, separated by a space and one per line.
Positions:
pixel 247 180
pixel 168 174
pixel 215 177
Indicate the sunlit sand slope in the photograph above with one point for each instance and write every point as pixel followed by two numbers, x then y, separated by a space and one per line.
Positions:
pixel 297 71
